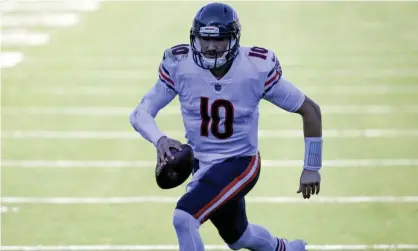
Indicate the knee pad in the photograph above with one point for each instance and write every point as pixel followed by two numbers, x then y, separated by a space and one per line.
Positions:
pixel 182 220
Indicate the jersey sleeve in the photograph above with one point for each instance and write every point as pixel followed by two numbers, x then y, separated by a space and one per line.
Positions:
pixel 142 117
pixel 160 95
pixel 280 91
pixel 285 95
pixel 274 73
pixel 169 69
pixel 166 70
pixel 157 98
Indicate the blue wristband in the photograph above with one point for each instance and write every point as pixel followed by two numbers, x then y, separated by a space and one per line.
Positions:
pixel 313 153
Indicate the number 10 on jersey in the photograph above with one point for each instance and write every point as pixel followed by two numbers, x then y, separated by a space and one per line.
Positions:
pixel 211 118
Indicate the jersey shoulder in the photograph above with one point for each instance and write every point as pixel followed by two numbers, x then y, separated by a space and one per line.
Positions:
pixel 266 63
pixel 175 55
pixel 263 59
pixel 174 58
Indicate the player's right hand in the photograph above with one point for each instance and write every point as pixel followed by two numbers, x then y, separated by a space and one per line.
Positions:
pixel 163 149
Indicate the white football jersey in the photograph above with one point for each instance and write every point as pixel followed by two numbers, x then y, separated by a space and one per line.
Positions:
pixel 221 115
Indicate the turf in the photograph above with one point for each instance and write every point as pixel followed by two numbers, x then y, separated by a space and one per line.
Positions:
pixel 331 50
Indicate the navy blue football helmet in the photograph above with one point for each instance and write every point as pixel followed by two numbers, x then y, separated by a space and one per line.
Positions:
pixel 217 20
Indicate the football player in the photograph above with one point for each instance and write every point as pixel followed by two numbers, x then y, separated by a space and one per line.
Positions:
pixel 220 84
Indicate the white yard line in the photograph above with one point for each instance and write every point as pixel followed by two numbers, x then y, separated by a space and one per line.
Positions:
pixel 33 14
pixel 10 59
pixel 362 88
pixel 77 164
pixel 249 199
pixel 40 19
pixel 263 134
pixel 5 209
pixel 207 247
pixel 42 6
pixel 175 110
pixel 350 163
pixel 121 1
pixel 23 37
pixel 97 90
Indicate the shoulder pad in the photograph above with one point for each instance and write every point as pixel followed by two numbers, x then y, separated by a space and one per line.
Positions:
pixel 266 62
pixel 170 62
pixel 263 59
pixel 175 54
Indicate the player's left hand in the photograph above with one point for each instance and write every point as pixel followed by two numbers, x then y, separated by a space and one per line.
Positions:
pixel 310 183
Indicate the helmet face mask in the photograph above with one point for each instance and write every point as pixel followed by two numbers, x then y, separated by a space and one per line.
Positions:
pixel 212 47
pixel 214 36
pixel 212 52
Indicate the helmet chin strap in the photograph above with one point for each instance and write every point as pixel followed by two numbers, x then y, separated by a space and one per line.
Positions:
pixel 213 63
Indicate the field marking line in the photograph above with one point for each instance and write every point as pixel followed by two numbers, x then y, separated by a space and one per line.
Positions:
pixel 207 247
pixel 38 13
pixel 175 110
pixel 5 209
pixel 52 6
pixel 97 90
pixel 121 1
pixel 249 199
pixel 262 134
pixel 23 37
pixel 10 59
pixel 338 163
pixel 63 19
pixel 132 73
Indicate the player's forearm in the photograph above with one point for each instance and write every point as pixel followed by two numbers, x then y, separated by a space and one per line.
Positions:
pixel 312 119
pixel 142 118
pixel 312 129
pixel 144 123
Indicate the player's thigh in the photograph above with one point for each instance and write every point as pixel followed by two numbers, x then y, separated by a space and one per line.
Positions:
pixel 226 181
pixel 231 220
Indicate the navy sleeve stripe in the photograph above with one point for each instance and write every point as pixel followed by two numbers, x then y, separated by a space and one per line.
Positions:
pixel 167 84
pixel 271 86
pixel 272 79
pixel 165 77
pixel 271 72
pixel 165 70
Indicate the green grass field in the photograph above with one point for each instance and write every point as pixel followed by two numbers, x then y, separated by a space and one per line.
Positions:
pixel 69 100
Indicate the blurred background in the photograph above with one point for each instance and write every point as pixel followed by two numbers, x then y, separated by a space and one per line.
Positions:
pixel 74 172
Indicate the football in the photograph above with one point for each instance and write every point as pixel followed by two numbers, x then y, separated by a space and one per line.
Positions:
pixel 176 171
